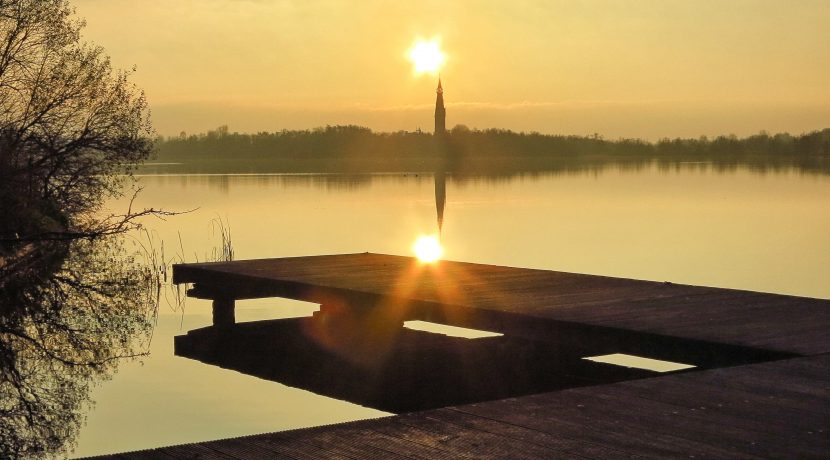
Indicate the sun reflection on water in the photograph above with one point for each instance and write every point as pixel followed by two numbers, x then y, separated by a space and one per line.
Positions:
pixel 427 248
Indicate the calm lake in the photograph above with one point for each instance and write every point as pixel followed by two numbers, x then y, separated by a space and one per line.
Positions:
pixel 691 225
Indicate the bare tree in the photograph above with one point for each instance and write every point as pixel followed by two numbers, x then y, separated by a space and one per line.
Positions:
pixel 69 124
pixel 72 301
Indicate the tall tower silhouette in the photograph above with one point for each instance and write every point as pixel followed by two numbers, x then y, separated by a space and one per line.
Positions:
pixel 440 111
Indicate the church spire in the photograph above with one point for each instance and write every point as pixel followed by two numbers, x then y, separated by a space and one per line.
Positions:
pixel 440 111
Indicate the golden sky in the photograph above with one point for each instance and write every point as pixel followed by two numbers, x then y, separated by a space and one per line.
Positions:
pixel 638 68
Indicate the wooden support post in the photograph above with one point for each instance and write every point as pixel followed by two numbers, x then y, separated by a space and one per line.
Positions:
pixel 223 312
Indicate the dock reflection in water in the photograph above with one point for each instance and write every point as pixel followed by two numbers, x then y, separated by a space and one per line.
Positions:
pixel 396 369
pixel 363 356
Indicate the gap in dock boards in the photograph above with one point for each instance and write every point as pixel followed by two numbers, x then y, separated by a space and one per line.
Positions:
pixel 639 362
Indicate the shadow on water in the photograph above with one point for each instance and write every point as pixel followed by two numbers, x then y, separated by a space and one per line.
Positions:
pixel 414 371
pixel 69 312
pixel 383 365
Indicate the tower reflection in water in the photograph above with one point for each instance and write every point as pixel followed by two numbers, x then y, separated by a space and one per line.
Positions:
pixel 440 198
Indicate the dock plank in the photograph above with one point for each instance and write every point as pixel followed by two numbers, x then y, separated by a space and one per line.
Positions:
pixel 479 443
pixel 716 434
pixel 242 448
pixel 560 446
pixel 366 434
pixel 197 450
pixel 283 445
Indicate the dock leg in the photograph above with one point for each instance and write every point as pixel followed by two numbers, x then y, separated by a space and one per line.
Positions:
pixel 223 312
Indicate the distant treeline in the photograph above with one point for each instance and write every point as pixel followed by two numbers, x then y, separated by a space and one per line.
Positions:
pixel 352 149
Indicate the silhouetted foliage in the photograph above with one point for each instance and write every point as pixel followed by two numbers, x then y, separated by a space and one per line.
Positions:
pixel 69 311
pixel 68 125
pixel 463 150
pixel 71 300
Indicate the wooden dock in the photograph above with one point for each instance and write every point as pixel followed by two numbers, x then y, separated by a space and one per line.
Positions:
pixel 761 388
pixel 464 292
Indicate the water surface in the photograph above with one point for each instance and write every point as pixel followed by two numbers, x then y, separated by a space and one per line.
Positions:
pixel 736 229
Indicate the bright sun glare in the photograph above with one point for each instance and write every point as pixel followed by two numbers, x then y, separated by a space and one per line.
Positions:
pixel 427 56
pixel 427 248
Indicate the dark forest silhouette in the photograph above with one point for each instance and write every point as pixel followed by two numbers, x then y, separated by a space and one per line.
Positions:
pixel 355 149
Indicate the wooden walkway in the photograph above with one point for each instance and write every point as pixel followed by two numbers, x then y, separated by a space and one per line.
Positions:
pixel 774 409
pixel 767 321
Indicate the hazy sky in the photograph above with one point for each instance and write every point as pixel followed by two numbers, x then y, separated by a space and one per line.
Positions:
pixel 619 68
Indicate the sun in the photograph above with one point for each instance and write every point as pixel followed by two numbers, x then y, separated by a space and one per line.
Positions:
pixel 426 56
pixel 427 248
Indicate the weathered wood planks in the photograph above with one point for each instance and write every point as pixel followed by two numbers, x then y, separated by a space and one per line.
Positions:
pixel 769 321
